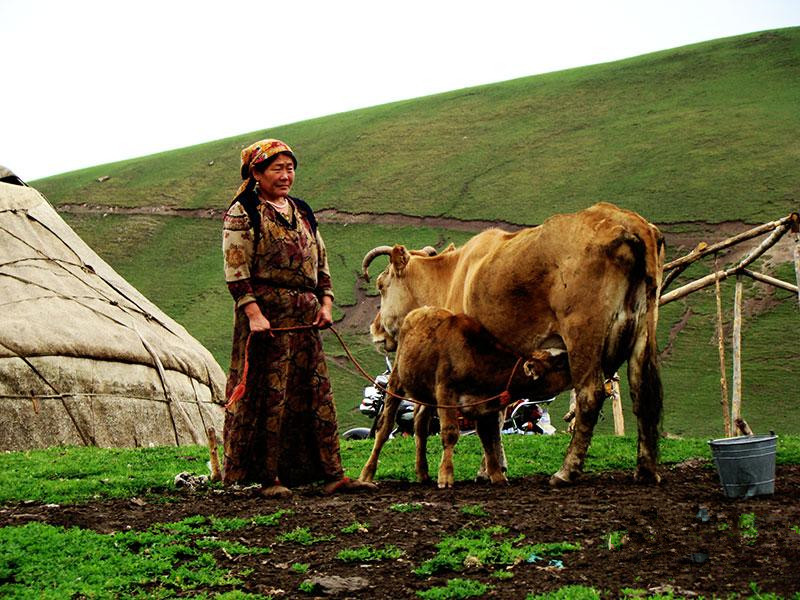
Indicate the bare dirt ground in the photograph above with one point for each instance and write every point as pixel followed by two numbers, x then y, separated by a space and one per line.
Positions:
pixel 682 536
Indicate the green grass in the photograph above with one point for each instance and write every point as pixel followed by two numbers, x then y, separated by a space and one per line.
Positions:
pixel 706 130
pixel 168 559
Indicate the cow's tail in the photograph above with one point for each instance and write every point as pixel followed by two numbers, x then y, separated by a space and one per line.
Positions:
pixel 646 390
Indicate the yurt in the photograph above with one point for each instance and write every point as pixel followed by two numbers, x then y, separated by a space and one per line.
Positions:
pixel 85 359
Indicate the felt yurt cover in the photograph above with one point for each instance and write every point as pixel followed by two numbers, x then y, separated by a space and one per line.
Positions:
pixel 85 359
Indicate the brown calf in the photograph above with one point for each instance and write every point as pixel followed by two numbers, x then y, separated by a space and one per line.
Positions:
pixel 451 363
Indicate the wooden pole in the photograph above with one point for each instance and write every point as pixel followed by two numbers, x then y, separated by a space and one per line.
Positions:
pixel 736 350
pixel 216 472
pixel 699 252
pixel 771 281
pixel 616 403
pixel 797 262
pixel 712 278
pixel 723 381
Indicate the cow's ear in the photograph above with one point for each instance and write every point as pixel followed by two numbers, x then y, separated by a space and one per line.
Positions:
pixel 400 257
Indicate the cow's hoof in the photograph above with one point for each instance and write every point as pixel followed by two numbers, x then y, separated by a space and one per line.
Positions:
pixel 482 478
pixel 647 477
pixel 558 480
pixel 445 486
pixel 502 480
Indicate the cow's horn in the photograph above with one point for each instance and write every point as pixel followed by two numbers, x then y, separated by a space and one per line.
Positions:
pixel 429 250
pixel 370 256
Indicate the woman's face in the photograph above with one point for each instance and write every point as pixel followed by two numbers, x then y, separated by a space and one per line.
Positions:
pixel 276 180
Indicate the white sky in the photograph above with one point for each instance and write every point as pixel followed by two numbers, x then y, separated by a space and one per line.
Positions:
pixel 86 82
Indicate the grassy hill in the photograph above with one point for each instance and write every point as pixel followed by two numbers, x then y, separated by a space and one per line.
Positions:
pixel 691 138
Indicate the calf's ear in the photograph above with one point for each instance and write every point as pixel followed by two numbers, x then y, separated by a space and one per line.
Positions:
pixel 400 257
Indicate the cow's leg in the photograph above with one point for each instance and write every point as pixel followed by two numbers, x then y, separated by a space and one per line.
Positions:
pixel 385 423
pixel 422 420
pixel 590 395
pixel 448 419
pixel 647 396
pixel 493 463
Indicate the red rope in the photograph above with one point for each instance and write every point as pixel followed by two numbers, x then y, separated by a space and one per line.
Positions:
pixel 239 391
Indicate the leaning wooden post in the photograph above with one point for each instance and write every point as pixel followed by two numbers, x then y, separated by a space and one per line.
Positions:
pixel 796 256
pixel 216 473
pixel 723 381
pixel 612 387
pixel 736 350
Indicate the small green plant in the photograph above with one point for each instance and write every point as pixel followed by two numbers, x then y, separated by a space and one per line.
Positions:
pixel 572 592
pixel 356 527
pixel 747 527
pixel 723 527
pixel 369 554
pixel 301 568
pixel 406 507
pixel 487 546
pixel 795 528
pixel 616 539
pixel 309 587
pixel 474 510
pixel 502 574
pixel 455 588
pixel 303 535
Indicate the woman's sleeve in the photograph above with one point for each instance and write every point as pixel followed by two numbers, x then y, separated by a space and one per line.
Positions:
pixel 324 284
pixel 237 252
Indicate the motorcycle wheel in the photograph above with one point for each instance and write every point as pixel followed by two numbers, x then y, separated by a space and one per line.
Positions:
pixel 356 433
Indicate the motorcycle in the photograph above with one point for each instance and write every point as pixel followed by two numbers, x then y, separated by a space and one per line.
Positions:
pixel 522 417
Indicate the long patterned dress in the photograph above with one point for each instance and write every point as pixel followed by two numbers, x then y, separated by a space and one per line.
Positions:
pixel 284 428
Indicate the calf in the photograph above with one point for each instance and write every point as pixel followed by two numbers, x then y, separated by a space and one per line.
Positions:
pixel 450 362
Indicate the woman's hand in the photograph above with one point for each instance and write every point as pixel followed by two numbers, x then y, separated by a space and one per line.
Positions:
pixel 324 316
pixel 258 322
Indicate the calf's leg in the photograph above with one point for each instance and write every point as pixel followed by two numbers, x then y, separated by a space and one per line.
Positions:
pixel 422 420
pixel 493 463
pixel 385 423
pixel 448 418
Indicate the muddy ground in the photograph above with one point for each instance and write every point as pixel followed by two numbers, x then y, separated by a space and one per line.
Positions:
pixel 683 535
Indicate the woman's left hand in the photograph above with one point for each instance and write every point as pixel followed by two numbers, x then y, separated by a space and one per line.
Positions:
pixel 324 316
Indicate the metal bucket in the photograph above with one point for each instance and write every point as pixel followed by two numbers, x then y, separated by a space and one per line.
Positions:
pixel 746 464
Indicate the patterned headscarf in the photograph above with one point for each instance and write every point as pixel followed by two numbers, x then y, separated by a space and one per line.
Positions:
pixel 257 153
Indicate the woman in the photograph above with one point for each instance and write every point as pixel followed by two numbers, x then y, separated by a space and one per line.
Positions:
pixel 280 423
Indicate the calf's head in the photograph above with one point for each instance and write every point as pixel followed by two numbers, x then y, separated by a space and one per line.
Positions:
pixel 397 292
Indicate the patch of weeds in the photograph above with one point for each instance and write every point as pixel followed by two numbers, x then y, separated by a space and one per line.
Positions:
pixel 406 507
pixel 795 528
pixel 616 539
pixel 356 527
pixel 369 554
pixel 301 568
pixel 502 574
pixel 303 535
pixel 455 588
pixel 747 527
pixel 723 527
pixel 759 595
pixel 39 560
pixel 309 587
pixel 487 547
pixel 570 592
pixel 474 510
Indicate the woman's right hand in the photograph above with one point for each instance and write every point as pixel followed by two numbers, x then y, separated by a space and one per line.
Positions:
pixel 258 322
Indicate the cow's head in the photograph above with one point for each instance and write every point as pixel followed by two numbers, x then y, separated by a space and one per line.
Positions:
pixel 397 294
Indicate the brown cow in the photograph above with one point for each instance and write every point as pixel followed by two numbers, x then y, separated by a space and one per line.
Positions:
pixel 450 363
pixel 587 283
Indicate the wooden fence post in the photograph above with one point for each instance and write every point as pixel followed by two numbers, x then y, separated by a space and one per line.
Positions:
pixel 723 380
pixel 736 345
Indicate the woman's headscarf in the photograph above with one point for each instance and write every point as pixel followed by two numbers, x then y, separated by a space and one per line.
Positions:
pixel 258 152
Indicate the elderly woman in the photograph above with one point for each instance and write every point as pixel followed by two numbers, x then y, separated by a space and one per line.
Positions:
pixel 280 423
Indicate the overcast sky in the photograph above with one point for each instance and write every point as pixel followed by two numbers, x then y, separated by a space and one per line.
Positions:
pixel 87 82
